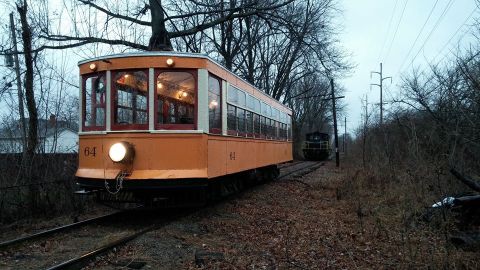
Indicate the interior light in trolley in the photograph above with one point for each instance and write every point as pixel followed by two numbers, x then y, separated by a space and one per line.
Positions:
pixel 182 94
pixel 213 104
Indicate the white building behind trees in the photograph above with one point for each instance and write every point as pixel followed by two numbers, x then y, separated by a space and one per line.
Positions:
pixel 53 137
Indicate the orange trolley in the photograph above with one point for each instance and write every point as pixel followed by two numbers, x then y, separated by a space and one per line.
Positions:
pixel 157 120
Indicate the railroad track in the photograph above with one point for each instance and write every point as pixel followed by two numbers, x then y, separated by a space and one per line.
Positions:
pixel 288 164
pixel 127 234
pixel 63 228
pixel 300 167
pixel 85 258
pixel 44 249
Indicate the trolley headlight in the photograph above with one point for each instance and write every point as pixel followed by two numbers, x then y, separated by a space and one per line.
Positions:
pixel 121 152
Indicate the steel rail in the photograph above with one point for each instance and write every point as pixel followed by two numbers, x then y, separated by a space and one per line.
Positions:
pixel 289 164
pixel 12 242
pixel 82 260
pixel 315 164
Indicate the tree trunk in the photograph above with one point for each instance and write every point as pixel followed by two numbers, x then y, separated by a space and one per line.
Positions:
pixel 29 94
pixel 160 40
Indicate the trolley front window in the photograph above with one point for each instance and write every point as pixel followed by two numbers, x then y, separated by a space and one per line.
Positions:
pixel 175 99
pixel 130 100
pixel 94 94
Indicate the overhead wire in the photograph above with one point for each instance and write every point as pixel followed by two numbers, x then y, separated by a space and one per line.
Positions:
pixel 454 34
pixel 396 29
pixel 388 30
pixel 418 36
pixel 445 10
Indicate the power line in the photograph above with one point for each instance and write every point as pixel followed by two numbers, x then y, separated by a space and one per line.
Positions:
pixel 447 8
pixel 396 29
pixel 388 30
pixel 419 33
pixel 454 34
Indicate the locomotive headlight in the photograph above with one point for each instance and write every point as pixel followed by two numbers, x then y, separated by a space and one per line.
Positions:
pixel 121 152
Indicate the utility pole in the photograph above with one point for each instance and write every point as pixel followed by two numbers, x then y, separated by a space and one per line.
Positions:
pixel 345 139
pixel 19 83
pixel 365 131
pixel 366 111
pixel 381 89
pixel 334 98
pixel 337 156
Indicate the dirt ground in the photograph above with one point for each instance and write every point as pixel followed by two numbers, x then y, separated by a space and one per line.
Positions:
pixel 294 223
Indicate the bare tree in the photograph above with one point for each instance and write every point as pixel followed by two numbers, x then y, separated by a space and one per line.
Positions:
pixel 32 138
pixel 161 34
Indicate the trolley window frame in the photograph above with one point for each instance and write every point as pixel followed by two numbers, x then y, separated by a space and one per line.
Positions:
pixel 84 102
pixel 217 131
pixel 157 126
pixel 114 102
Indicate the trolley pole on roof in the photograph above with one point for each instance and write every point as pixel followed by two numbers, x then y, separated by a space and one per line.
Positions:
pixel 337 155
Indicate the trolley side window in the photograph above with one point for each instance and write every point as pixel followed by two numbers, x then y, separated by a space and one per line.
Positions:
pixel 94 102
pixel 214 105
pixel 249 124
pixel 256 125
pixel 251 103
pixel 130 99
pixel 284 131
pixel 257 106
pixel 232 95
pixel 241 128
pixel 269 128
pixel 175 98
pixel 263 127
pixel 241 98
pixel 275 130
pixel 232 120
pixel 289 127
pixel 283 126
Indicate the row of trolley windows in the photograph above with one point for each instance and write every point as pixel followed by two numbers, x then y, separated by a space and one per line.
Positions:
pixel 240 98
pixel 175 99
pixel 245 123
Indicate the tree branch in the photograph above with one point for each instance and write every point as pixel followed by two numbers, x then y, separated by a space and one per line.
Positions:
pixel 230 16
pixel 115 15
pixel 86 40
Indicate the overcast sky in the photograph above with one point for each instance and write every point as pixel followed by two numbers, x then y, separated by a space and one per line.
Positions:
pixel 385 31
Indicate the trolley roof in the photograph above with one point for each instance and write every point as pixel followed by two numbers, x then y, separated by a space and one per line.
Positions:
pixel 183 55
